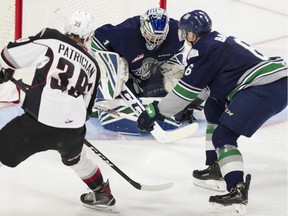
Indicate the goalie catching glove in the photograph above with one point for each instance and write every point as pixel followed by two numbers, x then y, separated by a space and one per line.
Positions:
pixel 6 74
pixel 147 118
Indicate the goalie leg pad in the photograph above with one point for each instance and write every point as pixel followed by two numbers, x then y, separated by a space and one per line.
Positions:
pixel 125 126
pixel 118 124
pixel 122 125
pixel 114 73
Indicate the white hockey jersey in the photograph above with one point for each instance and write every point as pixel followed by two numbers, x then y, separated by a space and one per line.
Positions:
pixel 8 93
pixel 65 81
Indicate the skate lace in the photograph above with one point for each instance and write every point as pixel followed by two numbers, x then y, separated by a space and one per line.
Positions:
pixel 231 192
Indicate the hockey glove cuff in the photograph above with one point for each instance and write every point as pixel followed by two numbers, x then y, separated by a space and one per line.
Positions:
pixel 148 117
pixel 6 75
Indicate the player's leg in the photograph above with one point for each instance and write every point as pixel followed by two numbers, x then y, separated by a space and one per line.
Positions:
pixel 244 116
pixel 231 165
pixel 19 139
pixel 211 177
pixel 100 196
pixel 74 155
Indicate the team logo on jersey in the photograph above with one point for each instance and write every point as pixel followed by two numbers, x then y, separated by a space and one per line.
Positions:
pixel 68 121
pixel 138 58
pixel 229 112
pixel 144 72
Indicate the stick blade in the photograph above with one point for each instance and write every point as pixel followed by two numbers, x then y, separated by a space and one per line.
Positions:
pixel 159 187
pixel 176 134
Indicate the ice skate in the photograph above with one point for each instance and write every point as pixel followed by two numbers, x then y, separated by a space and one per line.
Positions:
pixel 234 202
pixel 210 178
pixel 100 199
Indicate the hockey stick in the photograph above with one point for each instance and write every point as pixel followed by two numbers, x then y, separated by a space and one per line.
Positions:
pixel 115 113
pixel 132 182
pixel 135 184
pixel 124 115
pixel 159 134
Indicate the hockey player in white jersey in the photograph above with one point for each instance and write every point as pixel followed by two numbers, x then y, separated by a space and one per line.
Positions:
pixel 57 104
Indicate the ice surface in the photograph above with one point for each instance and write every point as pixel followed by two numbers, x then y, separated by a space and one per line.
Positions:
pixel 42 185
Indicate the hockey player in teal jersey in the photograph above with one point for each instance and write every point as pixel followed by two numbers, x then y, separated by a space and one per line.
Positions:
pixel 241 88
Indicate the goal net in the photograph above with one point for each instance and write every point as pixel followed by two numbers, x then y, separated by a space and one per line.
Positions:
pixel 23 18
pixel 53 13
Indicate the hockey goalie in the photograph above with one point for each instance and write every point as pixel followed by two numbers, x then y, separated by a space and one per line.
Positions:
pixel 113 82
pixel 143 54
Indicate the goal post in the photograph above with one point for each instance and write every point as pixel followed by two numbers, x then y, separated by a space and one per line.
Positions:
pixel 163 4
pixel 18 18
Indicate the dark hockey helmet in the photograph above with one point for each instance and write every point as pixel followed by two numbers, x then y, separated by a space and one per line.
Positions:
pixel 196 21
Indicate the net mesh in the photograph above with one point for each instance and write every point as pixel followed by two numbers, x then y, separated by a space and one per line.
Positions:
pixel 7 14
pixel 53 13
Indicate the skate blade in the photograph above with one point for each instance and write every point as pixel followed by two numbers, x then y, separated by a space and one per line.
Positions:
pixel 234 209
pixel 103 208
pixel 216 185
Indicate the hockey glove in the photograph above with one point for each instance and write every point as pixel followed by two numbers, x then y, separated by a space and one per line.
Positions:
pixel 6 74
pixel 185 115
pixel 147 118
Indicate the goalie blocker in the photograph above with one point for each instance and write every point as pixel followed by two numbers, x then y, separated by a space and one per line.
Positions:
pixel 115 74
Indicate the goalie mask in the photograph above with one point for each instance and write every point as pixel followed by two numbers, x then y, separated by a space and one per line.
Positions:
pixel 80 24
pixel 154 27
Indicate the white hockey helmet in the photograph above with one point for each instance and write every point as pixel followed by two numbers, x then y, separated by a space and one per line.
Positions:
pixel 154 27
pixel 80 24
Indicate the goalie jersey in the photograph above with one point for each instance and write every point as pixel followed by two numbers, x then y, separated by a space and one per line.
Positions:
pixel 126 40
pixel 65 81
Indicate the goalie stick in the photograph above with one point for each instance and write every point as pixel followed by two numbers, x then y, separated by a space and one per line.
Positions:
pixel 166 136
pixel 135 184
pixel 115 113
pixel 159 134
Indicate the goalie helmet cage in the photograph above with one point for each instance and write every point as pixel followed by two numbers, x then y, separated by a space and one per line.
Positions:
pixel 21 18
